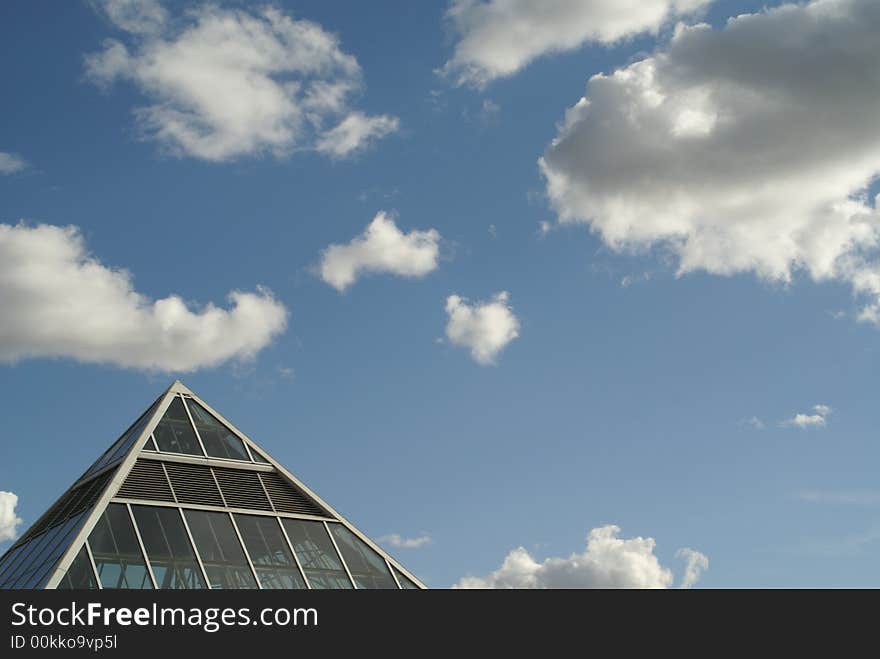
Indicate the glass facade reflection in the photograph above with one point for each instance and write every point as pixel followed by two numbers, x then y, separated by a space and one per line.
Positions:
pixel 79 575
pixel 220 550
pixel 117 554
pixel 367 568
pixel 219 441
pixel 175 433
pixel 269 552
pixel 316 554
pixel 169 551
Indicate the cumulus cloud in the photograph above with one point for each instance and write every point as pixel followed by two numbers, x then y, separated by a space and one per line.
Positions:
pixel 497 38
pixel 734 151
pixel 225 84
pixel 59 301
pixel 381 248
pixel 814 420
pixel 607 562
pixel 485 328
pixel 398 541
pixel 11 163
pixel 695 564
pixel 9 521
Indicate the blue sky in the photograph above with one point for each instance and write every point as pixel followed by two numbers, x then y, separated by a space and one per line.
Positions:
pixel 691 291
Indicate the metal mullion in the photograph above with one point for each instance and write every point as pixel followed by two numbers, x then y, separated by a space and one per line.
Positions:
pixel 137 534
pixel 266 492
pixel 92 563
pixel 195 549
pixel 247 554
pixel 168 479
pixel 293 553
pixel 393 576
pixel 219 489
pixel 341 559
pixel 193 424
pixel 247 449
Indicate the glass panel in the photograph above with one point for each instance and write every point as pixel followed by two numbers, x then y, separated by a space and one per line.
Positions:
pixel 79 575
pixel 171 556
pixel 42 553
pixel 175 434
pixel 116 552
pixel 405 582
pixel 316 554
pixel 219 441
pixel 150 445
pixel 42 565
pixel 123 443
pixel 368 568
pixel 220 550
pixel 269 552
pixel 258 457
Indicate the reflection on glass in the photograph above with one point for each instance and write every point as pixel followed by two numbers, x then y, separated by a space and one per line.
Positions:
pixel 79 575
pixel 368 569
pixel 116 552
pixel 258 457
pixel 175 434
pixel 168 549
pixel 405 582
pixel 121 445
pixel 39 555
pixel 219 441
pixel 269 552
pixel 316 554
pixel 219 549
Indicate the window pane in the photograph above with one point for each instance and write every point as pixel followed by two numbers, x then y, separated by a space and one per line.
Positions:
pixel 405 582
pixel 123 443
pixel 79 575
pixel 116 552
pixel 366 566
pixel 45 551
pixel 219 441
pixel 219 549
pixel 316 554
pixel 258 457
pixel 150 445
pixel 175 434
pixel 171 556
pixel 269 552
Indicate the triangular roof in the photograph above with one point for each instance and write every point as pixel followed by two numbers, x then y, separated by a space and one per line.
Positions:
pixel 221 470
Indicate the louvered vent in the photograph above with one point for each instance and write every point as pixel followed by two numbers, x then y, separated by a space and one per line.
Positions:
pixel 74 502
pixel 286 498
pixel 146 480
pixel 193 484
pixel 242 489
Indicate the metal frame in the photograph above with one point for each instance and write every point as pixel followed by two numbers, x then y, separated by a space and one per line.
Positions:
pixel 124 466
pixel 137 534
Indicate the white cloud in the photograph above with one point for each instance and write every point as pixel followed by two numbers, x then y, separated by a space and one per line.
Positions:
pixel 398 541
pixel 695 564
pixel 607 562
pixel 59 301
pixel 9 521
pixel 354 133
pixel 497 38
pixel 485 328
pixel 817 419
pixel 734 151
pixel 11 163
pixel 135 16
pixel 382 247
pixel 755 423
pixel 226 83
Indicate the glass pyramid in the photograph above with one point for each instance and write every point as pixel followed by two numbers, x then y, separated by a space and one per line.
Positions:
pixel 184 500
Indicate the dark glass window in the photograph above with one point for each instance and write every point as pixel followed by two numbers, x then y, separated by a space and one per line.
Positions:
pixel 79 575
pixel 405 582
pixel 116 552
pixel 368 568
pixel 258 457
pixel 269 552
pixel 122 444
pixel 316 554
pixel 219 441
pixel 171 556
pixel 175 433
pixel 220 550
pixel 44 552
pixel 150 445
